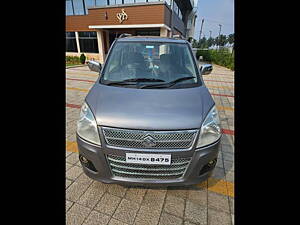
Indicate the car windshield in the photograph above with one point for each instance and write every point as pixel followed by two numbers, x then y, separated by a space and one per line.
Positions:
pixel 154 63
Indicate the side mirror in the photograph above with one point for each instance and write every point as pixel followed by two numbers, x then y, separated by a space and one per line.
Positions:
pixel 94 66
pixel 206 69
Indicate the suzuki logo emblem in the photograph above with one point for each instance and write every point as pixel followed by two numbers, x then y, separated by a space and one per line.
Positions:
pixel 149 141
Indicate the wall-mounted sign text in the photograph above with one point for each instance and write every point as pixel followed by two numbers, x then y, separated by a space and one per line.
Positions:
pixel 122 16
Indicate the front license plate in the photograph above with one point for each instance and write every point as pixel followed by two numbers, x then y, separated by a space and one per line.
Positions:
pixel 150 159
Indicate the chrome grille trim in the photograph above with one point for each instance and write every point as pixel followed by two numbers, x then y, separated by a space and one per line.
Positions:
pixel 120 168
pixel 134 139
pixel 123 161
pixel 146 174
pixel 146 169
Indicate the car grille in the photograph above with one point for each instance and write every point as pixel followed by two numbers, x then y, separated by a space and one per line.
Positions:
pixel 158 139
pixel 120 168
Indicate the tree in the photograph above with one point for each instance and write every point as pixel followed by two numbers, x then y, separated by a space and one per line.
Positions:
pixel 195 43
pixel 210 42
pixel 230 39
pixel 222 40
pixel 203 42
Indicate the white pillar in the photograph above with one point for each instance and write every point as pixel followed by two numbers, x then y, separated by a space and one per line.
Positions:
pixel 107 40
pixel 77 41
pixel 163 32
pixel 101 46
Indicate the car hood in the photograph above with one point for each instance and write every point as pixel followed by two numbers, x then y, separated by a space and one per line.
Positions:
pixel 149 109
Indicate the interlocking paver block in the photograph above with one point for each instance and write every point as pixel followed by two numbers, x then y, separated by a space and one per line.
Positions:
pixel 108 204
pixel 71 145
pixel 177 192
pixel 96 218
pixel 228 156
pixel 73 158
pixel 73 172
pixel 68 165
pixel 226 140
pixel 68 205
pixel 135 194
pixel 220 164
pixel 154 199
pixel 218 173
pixel 227 148
pixel 229 166
pixel 218 186
pixel 84 179
pixel 116 222
pixel 100 185
pixel 75 190
pixel 216 217
pixel 186 222
pixel 174 205
pixel 68 183
pixel 91 197
pixel 230 176
pixel 77 214
pixel 217 201
pixel 79 164
pixel 117 190
pixel 196 213
pixel 167 219
pixel 231 204
pixel 147 216
pixel 198 196
pixel 220 156
pixel 126 211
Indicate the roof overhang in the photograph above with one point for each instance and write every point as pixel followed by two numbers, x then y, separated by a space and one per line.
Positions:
pixel 129 26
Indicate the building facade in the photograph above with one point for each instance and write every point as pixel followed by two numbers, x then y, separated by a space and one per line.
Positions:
pixel 92 25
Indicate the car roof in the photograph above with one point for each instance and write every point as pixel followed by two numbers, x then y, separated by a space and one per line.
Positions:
pixel 151 39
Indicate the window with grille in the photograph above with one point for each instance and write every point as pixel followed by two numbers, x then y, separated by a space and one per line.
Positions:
pixel 71 42
pixel 88 41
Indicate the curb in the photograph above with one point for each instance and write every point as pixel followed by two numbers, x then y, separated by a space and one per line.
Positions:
pixel 75 66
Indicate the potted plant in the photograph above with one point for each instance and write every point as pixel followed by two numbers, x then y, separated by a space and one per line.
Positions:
pixel 82 58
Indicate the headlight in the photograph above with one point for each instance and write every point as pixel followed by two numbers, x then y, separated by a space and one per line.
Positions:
pixel 87 126
pixel 210 129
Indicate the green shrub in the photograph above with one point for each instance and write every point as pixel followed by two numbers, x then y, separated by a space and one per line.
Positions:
pixel 72 60
pixel 221 57
pixel 205 54
pixel 82 58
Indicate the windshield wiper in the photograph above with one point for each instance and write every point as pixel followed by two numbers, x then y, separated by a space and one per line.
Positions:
pixel 134 80
pixel 169 84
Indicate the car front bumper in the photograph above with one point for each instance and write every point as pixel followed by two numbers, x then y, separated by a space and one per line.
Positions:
pixel 98 156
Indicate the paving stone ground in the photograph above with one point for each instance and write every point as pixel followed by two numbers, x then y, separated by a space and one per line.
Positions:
pixel 211 202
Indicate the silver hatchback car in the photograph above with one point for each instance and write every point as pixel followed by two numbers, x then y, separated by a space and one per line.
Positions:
pixel 149 119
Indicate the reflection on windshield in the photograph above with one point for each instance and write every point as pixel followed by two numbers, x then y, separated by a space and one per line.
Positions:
pixel 136 60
